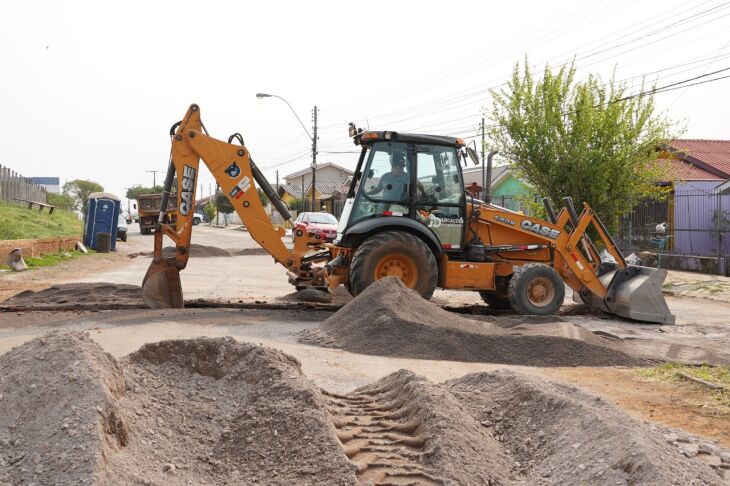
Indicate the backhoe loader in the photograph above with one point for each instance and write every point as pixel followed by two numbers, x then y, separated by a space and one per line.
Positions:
pixel 407 215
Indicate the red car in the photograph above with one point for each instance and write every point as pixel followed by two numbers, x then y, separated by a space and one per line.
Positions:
pixel 322 224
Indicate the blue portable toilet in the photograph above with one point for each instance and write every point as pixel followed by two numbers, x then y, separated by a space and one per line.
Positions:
pixel 102 216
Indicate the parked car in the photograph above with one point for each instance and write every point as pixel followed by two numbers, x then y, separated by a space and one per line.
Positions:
pixel 122 228
pixel 322 224
pixel 198 218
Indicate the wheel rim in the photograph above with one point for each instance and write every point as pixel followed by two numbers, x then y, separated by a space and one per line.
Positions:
pixel 540 292
pixel 400 266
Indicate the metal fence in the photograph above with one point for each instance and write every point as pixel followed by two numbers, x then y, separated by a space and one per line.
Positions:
pixel 14 186
pixel 696 223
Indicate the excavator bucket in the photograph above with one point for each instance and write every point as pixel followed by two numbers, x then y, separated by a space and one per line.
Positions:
pixel 161 288
pixel 635 292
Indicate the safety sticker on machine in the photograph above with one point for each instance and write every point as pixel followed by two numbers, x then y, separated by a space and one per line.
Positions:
pixel 240 188
pixel 577 262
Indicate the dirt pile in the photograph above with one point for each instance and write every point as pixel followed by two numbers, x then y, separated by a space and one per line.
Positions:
pixel 197 251
pixel 215 411
pixel 504 428
pixel 100 294
pixel 204 251
pixel 557 434
pixel 59 414
pixel 388 319
pixel 405 430
pixel 203 411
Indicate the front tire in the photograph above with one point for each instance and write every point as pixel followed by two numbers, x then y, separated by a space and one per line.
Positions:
pixel 196 221
pixel 536 289
pixel 397 254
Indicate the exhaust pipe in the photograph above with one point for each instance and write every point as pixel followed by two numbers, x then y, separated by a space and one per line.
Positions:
pixel 487 177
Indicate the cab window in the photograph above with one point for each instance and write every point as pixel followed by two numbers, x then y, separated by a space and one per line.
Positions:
pixel 386 180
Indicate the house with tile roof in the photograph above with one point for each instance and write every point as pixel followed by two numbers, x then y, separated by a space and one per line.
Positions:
pixel 697 209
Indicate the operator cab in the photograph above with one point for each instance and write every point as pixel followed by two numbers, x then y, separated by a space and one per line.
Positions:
pixel 417 177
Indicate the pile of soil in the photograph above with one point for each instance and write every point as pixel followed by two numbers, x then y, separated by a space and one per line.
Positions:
pixel 215 411
pixel 204 251
pixel 197 251
pixel 556 434
pixel 201 411
pixel 388 319
pixel 79 294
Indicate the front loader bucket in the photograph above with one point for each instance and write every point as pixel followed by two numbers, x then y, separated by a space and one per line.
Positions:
pixel 161 288
pixel 635 292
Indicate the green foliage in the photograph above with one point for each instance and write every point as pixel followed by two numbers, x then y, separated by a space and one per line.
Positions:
pixel 50 259
pixel 223 203
pixel 262 195
pixel 79 190
pixel 296 205
pixel 19 223
pixel 62 202
pixel 580 139
pixel 135 191
pixel 209 211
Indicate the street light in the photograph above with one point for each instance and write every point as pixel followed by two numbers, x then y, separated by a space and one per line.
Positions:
pixel 312 138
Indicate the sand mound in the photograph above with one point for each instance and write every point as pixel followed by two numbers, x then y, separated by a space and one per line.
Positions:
pixel 388 319
pixel 215 411
pixel 560 435
pixel 203 411
pixel 59 417
pixel 405 430
pixel 503 428
pixel 197 251
pixel 79 294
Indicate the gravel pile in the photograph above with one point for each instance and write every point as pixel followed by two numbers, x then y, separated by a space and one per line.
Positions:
pixel 215 411
pixel 388 319
pixel 103 294
pixel 201 411
pixel 556 434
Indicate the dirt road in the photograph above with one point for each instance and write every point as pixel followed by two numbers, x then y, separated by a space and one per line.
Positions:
pixel 702 333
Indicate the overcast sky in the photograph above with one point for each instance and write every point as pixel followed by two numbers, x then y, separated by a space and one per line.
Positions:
pixel 90 89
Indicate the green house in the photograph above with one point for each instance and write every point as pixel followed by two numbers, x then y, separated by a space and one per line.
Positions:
pixel 507 190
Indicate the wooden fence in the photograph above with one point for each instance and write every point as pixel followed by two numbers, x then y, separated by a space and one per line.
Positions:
pixel 14 186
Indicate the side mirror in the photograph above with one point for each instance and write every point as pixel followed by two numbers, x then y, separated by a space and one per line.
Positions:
pixel 371 173
pixel 473 155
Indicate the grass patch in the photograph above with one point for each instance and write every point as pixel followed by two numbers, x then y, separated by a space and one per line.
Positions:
pixel 50 259
pixel 712 288
pixel 21 223
pixel 672 373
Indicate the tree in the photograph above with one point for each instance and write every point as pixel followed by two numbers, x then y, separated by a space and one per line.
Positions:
pixel 61 201
pixel 296 204
pixel 209 211
pixel 135 191
pixel 587 140
pixel 224 205
pixel 262 196
pixel 79 190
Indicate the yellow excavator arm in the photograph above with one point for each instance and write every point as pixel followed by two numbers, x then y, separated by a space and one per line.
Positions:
pixel 235 173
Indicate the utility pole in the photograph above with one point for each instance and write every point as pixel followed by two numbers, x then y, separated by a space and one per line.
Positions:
pixel 314 163
pixel 154 176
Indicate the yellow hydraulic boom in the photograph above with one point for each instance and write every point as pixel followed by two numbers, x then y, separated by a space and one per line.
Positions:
pixel 235 173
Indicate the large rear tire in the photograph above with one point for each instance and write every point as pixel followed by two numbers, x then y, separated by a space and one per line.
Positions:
pixel 536 289
pixel 397 254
